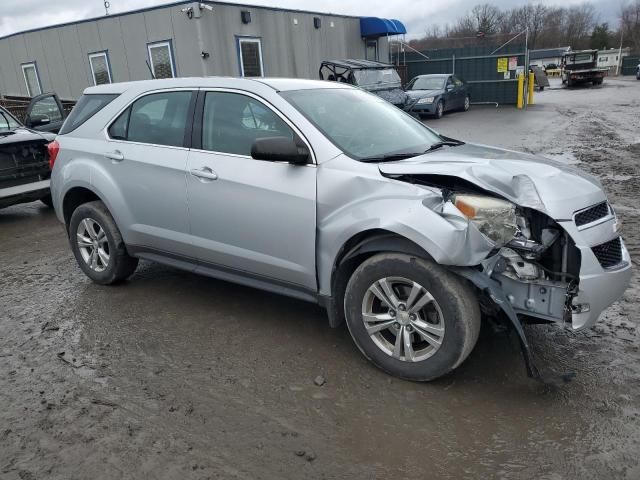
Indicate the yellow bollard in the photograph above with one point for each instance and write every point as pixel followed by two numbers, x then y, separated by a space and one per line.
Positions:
pixel 532 80
pixel 521 90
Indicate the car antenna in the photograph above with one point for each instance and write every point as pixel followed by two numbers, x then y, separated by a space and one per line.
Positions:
pixel 150 71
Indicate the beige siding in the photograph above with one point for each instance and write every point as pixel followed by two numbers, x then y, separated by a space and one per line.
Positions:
pixel 291 46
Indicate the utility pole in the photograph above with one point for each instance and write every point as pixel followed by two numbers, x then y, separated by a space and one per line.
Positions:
pixel 619 52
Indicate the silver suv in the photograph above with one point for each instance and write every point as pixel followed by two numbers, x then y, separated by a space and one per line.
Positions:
pixel 326 193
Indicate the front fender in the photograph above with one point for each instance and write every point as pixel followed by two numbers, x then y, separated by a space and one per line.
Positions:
pixel 350 204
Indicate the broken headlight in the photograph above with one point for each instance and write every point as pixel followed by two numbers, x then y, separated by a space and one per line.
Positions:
pixel 494 217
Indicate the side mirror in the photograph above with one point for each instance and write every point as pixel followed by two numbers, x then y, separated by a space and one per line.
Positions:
pixel 37 119
pixel 450 87
pixel 280 149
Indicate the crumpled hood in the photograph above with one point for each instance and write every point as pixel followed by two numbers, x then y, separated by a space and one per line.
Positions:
pixel 416 94
pixel 527 180
pixel 394 95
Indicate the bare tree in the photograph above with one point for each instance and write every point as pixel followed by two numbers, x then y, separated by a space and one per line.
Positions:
pixel 486 18
pixel 630 24
pixel 548 26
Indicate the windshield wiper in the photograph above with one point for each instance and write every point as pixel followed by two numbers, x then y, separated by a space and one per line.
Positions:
pixel 444 143
pixel 391 157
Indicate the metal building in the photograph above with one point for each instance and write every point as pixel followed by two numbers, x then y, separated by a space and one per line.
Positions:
pixel 185 39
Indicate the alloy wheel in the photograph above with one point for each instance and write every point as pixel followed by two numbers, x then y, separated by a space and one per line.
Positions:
pixel 93 244
pixel 403 319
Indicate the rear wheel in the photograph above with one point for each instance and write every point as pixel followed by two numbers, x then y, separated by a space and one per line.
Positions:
pixel 97 245
pixel 410 316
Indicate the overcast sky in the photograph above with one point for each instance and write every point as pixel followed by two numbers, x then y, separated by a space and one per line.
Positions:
pixel 417 15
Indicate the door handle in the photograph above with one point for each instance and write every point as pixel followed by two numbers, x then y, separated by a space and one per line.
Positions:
pixel 204 173
pixel 115 155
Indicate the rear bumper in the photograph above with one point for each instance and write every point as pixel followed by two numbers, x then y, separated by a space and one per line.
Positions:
pixel 24 193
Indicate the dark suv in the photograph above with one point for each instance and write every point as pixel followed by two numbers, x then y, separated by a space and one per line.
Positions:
pixel 378 78
pixel 24 156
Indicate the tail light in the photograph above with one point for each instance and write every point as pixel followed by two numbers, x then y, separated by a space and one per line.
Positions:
pixel 53 148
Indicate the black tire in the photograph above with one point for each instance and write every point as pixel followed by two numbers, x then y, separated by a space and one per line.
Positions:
pixel 47 201
pixel 120 265
pixel 467 104
pixel 439 109
pixel 457 302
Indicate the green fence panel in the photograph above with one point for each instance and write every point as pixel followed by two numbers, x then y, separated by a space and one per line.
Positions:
pixel 476 65
pixel 630 65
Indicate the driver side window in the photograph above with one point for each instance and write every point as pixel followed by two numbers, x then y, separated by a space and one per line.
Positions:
pixel 233 122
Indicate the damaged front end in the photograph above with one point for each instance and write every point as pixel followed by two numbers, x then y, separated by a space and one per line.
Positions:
pixel 532 272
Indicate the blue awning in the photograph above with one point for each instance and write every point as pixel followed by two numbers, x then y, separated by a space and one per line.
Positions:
pixel 380 27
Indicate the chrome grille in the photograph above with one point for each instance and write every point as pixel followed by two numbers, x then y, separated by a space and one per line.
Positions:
pixel 609 254
pixel 592 214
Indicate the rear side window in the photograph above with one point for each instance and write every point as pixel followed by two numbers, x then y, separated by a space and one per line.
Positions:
pixel 87 107
pixel 159 119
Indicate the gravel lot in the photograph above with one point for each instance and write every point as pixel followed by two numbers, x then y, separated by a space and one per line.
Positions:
pixel 173 375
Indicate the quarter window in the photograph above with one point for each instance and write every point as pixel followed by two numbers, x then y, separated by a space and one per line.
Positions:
pixel 232 122
pixel 161 60
pixel 250 51
pixel 100 69
pixel 159 119
pixel 31 79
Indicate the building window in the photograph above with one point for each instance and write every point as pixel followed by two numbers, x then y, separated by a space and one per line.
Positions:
pixel 372 50
pixel 161 60
pixel 100 68
pixel 31 79
pixel 250 53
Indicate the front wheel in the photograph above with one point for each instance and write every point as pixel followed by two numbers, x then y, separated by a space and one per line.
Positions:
pixel 467 103
pixel 98 246
pixel 439 109
pixel 410 316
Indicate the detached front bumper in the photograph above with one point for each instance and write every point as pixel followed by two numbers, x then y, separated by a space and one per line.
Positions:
pixel 599 286
pixel 27 192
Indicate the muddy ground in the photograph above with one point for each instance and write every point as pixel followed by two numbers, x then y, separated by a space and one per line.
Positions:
pixel 176 376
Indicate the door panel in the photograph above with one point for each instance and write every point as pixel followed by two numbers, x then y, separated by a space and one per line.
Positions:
pixel 258 217
pixel 153 186
pixel 45 113
pixel 147 158
pixel 250 215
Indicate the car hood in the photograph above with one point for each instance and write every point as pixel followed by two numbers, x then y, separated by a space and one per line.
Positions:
pixel 415 94
pixel 392 94
pixel 23 134
pixel 527 180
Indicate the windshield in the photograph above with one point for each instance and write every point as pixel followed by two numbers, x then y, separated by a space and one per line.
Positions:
pixel 376 77
pixel 362 125
pixel 428 83
pixel 7 122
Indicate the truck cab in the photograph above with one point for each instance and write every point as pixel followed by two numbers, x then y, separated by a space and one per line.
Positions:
pixel 580 66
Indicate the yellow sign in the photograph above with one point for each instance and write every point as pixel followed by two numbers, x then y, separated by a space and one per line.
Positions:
pixel 503 64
